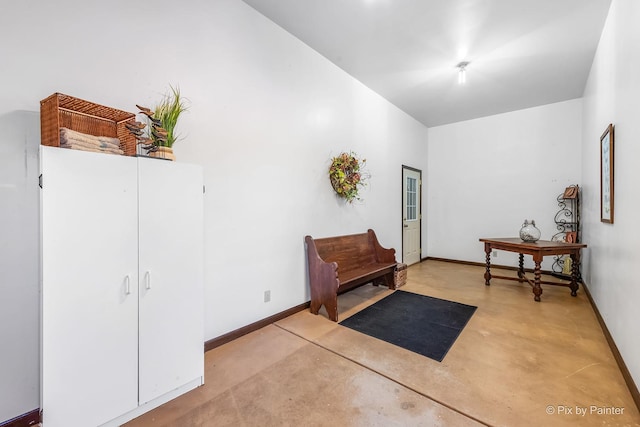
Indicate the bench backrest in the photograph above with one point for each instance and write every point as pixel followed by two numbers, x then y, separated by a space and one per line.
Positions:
pixel 350 252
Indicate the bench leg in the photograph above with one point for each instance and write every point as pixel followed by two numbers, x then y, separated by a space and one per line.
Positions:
pixel 324 284
pixel 389 281
pixel 315 306
pixel 330 303
pixel 332 308
pixel 386 280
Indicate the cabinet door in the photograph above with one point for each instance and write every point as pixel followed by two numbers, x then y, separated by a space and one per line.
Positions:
pixel 89 287
pixel 171 276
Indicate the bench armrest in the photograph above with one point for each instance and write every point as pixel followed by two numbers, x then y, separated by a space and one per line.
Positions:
pixel 383 255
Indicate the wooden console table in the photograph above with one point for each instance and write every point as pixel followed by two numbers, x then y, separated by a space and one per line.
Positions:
pixel 537 250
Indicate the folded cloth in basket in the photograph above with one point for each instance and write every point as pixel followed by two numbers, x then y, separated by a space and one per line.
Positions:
pixel 88 147
pixel 82 141
pixel 103 141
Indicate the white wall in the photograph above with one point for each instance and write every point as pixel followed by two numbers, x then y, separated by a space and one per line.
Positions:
pixel 274 113
pixel 267 114
pixel 486 176
pixel 611 96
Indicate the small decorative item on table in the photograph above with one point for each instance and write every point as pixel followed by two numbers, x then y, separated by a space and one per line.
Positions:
pixel 400 275
pixel 529 232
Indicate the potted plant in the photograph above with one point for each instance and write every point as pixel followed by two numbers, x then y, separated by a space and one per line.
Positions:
pixel 160 136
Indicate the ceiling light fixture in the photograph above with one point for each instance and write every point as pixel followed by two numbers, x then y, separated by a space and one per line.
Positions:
pixel 462 72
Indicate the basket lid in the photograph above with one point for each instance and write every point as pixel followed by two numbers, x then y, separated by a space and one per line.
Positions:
pixel 78 105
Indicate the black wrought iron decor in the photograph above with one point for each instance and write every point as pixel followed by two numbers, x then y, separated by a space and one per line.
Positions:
pixel 567 221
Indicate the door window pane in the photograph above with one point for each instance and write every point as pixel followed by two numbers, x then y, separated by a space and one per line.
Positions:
pixel 411 197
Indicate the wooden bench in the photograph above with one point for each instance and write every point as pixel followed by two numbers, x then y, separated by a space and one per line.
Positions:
pixel 337 264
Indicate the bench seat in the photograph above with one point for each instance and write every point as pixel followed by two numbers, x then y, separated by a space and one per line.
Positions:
pixel 366 273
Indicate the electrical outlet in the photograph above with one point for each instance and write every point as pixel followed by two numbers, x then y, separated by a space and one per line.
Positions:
pixel 494 253
pixel 267 296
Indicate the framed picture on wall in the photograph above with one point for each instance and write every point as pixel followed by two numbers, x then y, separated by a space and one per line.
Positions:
pixel 606 175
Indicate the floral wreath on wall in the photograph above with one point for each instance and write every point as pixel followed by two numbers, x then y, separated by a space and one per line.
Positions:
pixel 347 175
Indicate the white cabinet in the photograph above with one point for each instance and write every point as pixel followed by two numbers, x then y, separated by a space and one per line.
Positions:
pixel 171 258
pixel 122 285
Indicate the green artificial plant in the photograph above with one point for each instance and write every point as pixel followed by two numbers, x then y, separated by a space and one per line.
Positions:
pixel 167 113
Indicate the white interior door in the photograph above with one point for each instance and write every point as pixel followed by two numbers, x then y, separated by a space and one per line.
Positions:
pixel 89 287
pixel 411 215
pixel 171 276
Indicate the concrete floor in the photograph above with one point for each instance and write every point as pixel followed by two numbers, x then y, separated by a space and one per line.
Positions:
pixel 516 363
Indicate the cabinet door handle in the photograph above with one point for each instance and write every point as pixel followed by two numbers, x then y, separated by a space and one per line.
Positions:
pixel 147 277
pixel 127 285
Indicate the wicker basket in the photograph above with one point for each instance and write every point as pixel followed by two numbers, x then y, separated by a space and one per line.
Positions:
pixel 58 111
pixel 400 275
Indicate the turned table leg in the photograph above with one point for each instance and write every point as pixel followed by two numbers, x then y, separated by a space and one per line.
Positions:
pixel 537 289
pixel 521 266
pixel 487 273
pixel 575 271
